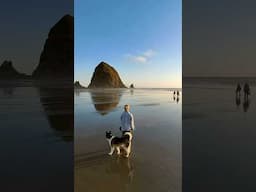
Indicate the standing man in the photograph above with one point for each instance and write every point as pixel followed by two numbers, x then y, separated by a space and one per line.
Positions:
pixel 127 120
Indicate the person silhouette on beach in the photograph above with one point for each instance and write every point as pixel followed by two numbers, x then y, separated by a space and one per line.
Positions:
pixel 238 89
pixel 127 120
pixel 246 91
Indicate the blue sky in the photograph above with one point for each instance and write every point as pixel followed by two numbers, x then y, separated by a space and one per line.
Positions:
pixel 141 39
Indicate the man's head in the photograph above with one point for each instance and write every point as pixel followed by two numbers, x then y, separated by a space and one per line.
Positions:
pixel 127 108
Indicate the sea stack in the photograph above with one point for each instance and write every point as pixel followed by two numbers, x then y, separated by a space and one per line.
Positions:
pixel 105 76
pixel 57 58
pixel 131 86
pixel 77 85
pixel 8 72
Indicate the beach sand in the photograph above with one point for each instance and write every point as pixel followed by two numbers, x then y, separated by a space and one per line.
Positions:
pixel 37 138
pixel 155 161
pixel 218 136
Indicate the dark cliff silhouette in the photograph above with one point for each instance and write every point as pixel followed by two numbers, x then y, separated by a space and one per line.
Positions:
pixel 57 57
pixel 105 76
pixel 8 72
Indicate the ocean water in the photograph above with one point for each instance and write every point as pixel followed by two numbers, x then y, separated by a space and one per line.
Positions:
pixel 218 134
pixel 36 133
pixel 155 160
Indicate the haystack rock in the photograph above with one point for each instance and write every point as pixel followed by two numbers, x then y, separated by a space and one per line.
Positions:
pixel 8 72
pixel 57 57
pixel 105 76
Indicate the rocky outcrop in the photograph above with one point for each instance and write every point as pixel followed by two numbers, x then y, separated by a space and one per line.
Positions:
pixel 77 85
pixel 8 72
pixel 105 76
pixel 57 57
pixel 131 86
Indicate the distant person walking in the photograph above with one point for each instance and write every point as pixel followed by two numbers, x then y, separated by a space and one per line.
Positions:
pixel 238 89
pixel 246 91
pixel 127 120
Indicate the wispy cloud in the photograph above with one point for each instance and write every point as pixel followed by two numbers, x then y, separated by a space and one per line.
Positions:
pixel 139 59
pixel 149 53
pixel 143 57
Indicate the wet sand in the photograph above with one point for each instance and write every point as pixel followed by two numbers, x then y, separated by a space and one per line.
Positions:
pixel 218 136
pixel 37 138
pixel 155 161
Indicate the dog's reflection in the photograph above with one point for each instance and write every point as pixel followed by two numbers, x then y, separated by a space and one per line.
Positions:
pixel 123 167
pixel 125 164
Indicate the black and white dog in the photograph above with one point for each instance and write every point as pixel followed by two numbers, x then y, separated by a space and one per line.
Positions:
pixel 117 143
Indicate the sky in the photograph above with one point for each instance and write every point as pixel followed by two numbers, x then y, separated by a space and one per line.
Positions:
pixel 219 38
pixel 24 28
pixel 140 39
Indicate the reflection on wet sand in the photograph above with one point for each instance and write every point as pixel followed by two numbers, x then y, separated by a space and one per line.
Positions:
pixel 155 149
pixel 105 101
pixel 36 122
pixel 116 174
pixel 8 91
pixel 58 106
pixel 176 99
pixel 238 100
pixel 246 102
pixel 131 91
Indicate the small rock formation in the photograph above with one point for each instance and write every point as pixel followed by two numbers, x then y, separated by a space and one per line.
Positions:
pixel 8 72
pixel 57 57
pixel 105 76
pixel 131 86
pixel 77 85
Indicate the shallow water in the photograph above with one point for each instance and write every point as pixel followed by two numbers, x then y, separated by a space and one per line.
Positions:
pixel 155 161
pixel 36 133
pixel 218 135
